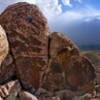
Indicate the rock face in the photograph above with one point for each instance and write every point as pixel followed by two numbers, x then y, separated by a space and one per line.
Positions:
pixel 59 42
pixel 54 79
pixel 27 30
pixel 77 71
pixel 4 48
pixel 7 70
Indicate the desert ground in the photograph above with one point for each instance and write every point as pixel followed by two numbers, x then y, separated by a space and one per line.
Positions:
pixel 93 56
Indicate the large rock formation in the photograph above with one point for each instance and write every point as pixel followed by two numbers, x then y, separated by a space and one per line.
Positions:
pixel 4 48
pixel 67 63
pixel 27 30
pixel 59 42
pixel 54 80
pixel 7 70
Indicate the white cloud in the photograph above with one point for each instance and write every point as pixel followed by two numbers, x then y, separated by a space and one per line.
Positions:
pixel 67 18
pixel 67 3
pixel 50 8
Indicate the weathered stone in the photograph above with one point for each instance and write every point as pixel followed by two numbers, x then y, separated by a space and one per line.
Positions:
pixel 54 80
pixel 54 98
pixel 10 87
pixel 26 96
pixel 59 42
pixel 79 72
pixel 7 69
pixel 67 64
pixel 28 32
pixel 4 48
pixel 50 98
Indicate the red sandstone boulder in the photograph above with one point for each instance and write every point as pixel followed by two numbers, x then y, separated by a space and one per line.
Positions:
pixel 58 42
pixel 67 67
pixel 28 32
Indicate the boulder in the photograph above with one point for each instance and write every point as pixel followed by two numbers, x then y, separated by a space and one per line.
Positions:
pixel 79 72
pixel 28 33
pixel 26 96
pixel 9 88
pixel 58 42
pixel 4 47
pixel 67 68
pixel 54 80
pixel 7 69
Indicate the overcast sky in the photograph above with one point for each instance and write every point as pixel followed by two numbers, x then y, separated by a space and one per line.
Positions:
pixel 77 19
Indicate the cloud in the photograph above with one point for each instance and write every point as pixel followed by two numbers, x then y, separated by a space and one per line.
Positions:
pixel 50 8
pixel 67 3
pixel 79 25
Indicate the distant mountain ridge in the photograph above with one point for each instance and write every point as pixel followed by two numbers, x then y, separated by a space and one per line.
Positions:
pixel 89 47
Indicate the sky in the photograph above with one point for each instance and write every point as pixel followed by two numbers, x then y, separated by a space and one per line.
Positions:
pixel 77 19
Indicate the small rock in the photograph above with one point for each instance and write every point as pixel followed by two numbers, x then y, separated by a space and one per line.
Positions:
pixel 13 86
pixel 55 98
pixel 65 94
pixel 7 70
pixel 26 96
pixel 50 98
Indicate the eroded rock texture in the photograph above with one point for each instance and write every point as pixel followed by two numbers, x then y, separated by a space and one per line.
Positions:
pixel 27 30
pixel 59 42
pixel 4 48
pixel 75 69
pixel 54 79
pixel 7 69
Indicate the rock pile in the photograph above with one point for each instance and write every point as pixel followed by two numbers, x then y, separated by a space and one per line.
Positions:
pixel 43 64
